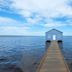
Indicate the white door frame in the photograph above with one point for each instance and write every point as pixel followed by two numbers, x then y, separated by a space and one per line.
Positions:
pixel 54 37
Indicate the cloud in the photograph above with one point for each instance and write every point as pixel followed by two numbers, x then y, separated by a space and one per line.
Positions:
pixel 34 15
pixel 26 13
pixel 43 8
pixel 24 5
pixel 34 19
pixel 63 19
pixel 69 3
pixel 5 5
pixel 48 8
pixel 13 30
pixel 54 25
pixel 6 21
pixel 9 26
pixel 19 31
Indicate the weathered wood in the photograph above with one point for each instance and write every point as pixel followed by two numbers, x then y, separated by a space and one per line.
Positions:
pixel 53 60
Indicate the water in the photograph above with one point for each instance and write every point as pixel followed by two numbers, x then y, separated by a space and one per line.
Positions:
pixel 23 53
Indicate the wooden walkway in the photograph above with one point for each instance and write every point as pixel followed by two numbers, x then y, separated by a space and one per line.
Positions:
pixel 53 60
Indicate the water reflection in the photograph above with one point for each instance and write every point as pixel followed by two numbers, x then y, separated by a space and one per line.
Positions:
pixel 6 66
pixel 18 55
pixel 60 45
pixel 31 59
pixel 47 44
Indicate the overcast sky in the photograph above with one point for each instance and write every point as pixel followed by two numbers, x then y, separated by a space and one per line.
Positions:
pixel 35 17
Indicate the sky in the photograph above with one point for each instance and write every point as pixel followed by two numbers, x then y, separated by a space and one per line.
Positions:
pixel 35 17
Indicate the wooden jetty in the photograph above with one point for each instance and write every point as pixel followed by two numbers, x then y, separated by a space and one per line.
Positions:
pixel 53 60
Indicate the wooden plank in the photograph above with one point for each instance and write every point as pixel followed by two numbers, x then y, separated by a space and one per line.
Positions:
pixel 53 60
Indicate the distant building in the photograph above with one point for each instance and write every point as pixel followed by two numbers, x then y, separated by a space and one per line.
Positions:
pixel 54 34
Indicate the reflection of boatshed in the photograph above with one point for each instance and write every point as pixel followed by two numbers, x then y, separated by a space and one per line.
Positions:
pixel 54 35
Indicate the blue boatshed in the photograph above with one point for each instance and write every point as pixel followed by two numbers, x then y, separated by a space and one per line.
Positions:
pixel 54 34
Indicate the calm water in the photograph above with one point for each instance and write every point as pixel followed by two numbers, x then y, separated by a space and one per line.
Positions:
pixel 23 53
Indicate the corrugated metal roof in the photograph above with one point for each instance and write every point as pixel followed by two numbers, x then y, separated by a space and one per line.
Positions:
pixel 55 30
